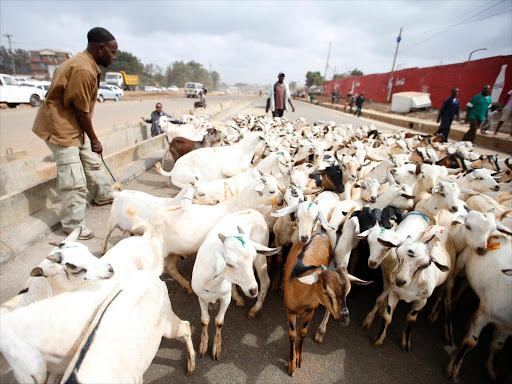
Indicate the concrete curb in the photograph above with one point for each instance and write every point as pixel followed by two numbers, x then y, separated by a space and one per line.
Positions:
pixel 502 144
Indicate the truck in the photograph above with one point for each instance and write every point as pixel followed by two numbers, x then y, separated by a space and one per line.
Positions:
pixel 12 93
pixel 122 80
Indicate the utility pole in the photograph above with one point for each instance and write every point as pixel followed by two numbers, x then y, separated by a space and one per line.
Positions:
pixel 327 64
pixel 10 51
pixel 390 85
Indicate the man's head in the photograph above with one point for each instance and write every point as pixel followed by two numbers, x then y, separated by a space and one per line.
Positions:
pixel 158 107
pixel 102 46
pixel 280 76
pixel 362 93
pixel 205 90
pixel 486 90
pixel 455 92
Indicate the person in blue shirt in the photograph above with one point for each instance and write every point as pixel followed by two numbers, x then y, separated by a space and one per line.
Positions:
pixel 449 109
pixel 155 118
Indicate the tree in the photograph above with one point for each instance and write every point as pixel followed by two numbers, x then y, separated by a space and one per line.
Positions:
pixel 293 85
pixel 127 62
pixel 215 80
pixel 340 76
pixel 314 78
pixel 21 61
pixel 356 72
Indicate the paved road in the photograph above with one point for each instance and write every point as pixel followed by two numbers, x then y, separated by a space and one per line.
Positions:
pixel 16 124
pixel 256 351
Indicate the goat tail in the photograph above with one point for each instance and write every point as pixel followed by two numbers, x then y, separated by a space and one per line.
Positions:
pixel 116 188
pixel 137 221
pixel 161 171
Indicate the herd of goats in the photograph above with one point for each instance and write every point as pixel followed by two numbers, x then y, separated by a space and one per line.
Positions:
pixel 256 191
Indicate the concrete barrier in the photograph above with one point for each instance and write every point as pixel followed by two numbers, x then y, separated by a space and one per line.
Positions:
pixel 32 211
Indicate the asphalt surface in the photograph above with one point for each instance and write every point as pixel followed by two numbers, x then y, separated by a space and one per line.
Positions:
pixel 256 351
pixel 16 124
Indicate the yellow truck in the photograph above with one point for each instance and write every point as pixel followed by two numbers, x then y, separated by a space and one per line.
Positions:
pixel 122 80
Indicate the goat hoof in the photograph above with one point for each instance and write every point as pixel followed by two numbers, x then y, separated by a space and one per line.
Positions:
pixel 319 337
pixel 240 303
pixel 216 352
pixel 378 343
pixel 191 366
pixel 203 347
pixel 252 314
pixel 366 324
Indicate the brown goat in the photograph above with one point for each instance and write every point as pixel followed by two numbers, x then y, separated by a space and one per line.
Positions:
pixel 180 146
pixel 304 293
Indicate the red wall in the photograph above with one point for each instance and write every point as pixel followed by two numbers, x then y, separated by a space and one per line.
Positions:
pixel 469 77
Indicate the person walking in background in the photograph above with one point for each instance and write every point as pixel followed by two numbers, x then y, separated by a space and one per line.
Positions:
pixel 338 97
pixel 449 110
pixel 359 104
pixel 487 124
pixel 202 100
pixel 279 97
pixel 351 102
pixel 333 97
pixel 154 120
pixel 63 121
pixel 476 111
pixel 506 112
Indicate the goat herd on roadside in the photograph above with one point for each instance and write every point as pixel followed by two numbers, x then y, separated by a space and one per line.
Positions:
pixel 256 191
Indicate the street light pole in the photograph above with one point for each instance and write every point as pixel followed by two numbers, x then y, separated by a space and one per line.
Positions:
pixel 480 49
pixel 327 63
pixel 10 51
pixel 390 85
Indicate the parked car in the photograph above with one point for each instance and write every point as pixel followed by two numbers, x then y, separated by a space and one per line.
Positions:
pixel 114 88
pixel 173 88
pixel 150 88
pixel 193 89
pixel 105 93
pixel 12 93
pixel 44 86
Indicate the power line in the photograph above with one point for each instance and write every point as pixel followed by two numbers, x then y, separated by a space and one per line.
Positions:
pixel 486 17
pixel 453 26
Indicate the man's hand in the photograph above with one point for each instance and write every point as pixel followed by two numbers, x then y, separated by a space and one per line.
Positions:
pixel 293 109
pixel 96 147
pixel 142 117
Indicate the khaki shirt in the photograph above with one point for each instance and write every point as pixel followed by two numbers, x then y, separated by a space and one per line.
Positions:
pixel 75 83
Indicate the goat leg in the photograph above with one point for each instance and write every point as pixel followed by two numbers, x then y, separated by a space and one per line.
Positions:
pixel 303 332
pixel 387 316
pixel 498 341
pixel 379 303
pixel 411 319
pixel 239 302
pixel 219 322
pixel 205 320
pixel 260 263
pixel 171 269
pixel 480 320
pixel 292 335
pixel 320 332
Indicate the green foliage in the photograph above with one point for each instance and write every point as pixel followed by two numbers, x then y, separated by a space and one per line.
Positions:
pixel 127 62
pixel 340 76
pixel 293 85
pixel 344 75
pixel 179 73
pixel 314 78
pixel 356 72
pixel 21 61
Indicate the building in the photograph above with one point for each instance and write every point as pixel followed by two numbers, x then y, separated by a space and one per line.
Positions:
pixel 44 62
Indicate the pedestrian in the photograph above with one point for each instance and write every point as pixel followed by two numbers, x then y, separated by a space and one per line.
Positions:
pixel 488 124
pixel 333 97
pixel 449 110
pixel 155 119
pixel 311 97
pixel 202 100
pixel 338 97
pixel 476 111
pixel 278 96
pixel 351 102
pixel 359 104
pixel 506 112
pixel 63 121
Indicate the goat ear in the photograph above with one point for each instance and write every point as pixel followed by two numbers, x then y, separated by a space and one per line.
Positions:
pixel 222 237
pixel 324 222
pixel 37 271
pixel 407 196
pixel 357 185
pixel 358 281
pixel 387 243
pixel 240 230
pixel 364 234
pixel 259 187
pixel 55 257
pixel 458 220
pixel 442 267
pixel 436 189
pixel 284 211
pixel 418 169
pixel 73 236
pixel 309 279
pixel 500 227
pixel 507 272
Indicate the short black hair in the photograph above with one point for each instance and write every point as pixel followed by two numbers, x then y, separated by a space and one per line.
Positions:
pixel 99 35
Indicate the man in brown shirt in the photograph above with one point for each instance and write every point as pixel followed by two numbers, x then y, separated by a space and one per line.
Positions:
pixel 63 118
pixel 279 97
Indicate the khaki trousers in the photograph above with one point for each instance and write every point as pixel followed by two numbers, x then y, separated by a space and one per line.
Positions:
pixel 78 170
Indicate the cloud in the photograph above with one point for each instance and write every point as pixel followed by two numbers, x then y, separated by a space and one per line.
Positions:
pixel 252 41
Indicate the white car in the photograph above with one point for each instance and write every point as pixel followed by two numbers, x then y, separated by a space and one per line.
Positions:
pixel 105 93
pixel 193 89
pixel 13 93
pixel 114 88
pixel 173 88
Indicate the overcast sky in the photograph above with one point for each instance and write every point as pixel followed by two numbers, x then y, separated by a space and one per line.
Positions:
pixel 252 41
